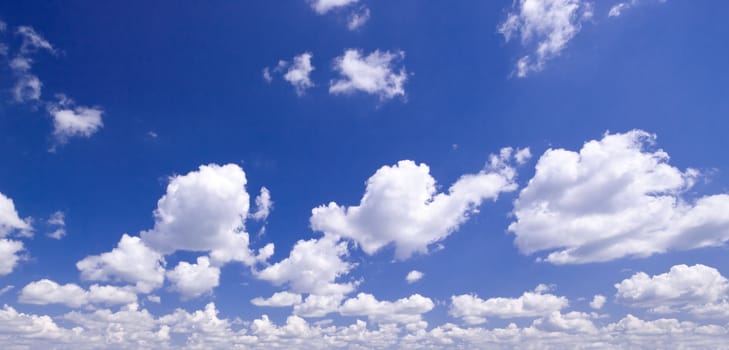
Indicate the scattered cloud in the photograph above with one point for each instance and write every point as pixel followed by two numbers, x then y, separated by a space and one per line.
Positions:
pixel 298 73
pixel 414 276
pixel 617 197
pixel 323 6
pixel 279 299
pixel 57 219
pixel 358 18
pixel 374 74
pixel 72 121
pixel 544 26
pixel 598 301
pixel 264 204
pixel 406 310
pixel 617 9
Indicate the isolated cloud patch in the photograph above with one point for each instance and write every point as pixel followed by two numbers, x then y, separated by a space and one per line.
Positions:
pixel 73 121
pixel 298 73
pixel 374 74
pixel 545 27
pixel 402 206
pixel 616 197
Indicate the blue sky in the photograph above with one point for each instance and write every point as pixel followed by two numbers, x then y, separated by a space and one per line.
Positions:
pixel 259 175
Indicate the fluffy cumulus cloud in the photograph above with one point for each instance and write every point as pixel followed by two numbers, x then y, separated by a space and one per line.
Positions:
pixel 147 271
pixel 616 197
pixel 193 280
pixel 205 211
pixel 374 74
pixel 474 310
pixel 44 292
pixel 402 206
pixel 73 121
pixel 696 288
pixel 406 310
pixel 313 266
pixel 11 224
pixel 544 26
pixel 324 6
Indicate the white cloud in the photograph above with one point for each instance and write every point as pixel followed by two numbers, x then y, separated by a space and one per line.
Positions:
pixel 474 310
pixel 313 266
pixel 27 88
pixel 264 204
pixel 9 257
pixel 147 271
pixel 414 276
pixel 10 221
pixel 681 288
pixel 323 6
pixel 614 198
pixel 598 301
pixel 550 24
pixel 73 121
pixel 194 280
pixel 44 292
pixel 57 219
pixel 319 305
pixel 279 299
pixel 617 9
pixel 406 310
pixel 358 18
pixel 205 211
pixel 298 73
pixel 267 75
pixel 32 41
pixel 401 206
pixel 374 74
pixel 571 322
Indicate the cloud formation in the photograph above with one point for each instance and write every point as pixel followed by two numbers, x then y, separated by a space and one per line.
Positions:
pixel 616 197
pixel 374 74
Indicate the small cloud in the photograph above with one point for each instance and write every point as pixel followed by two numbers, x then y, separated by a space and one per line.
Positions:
pixel 358 18
pixel 414 276
pixel 57 219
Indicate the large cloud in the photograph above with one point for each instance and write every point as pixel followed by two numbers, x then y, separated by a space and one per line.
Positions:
pixel 205 211
pixel 474 310
pixel 402 206
pixel 681 288
pixel 614 198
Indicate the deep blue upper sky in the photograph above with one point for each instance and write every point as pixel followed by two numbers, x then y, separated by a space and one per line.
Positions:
pixel 180 85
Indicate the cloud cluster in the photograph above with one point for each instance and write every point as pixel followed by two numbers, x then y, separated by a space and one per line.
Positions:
pixel 44 292
pixel 616 197
pixel 11 224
